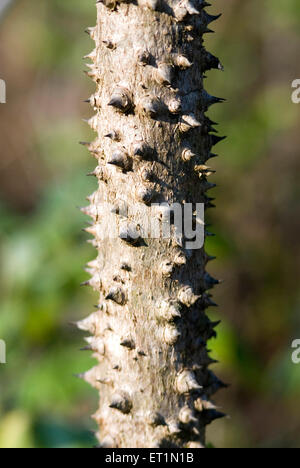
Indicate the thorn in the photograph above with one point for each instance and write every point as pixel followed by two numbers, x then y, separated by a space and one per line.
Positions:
pixel 120 159
pixel 144 57
pixel 85 283
pixel 113 135
pixel 211 18
pixel 121 99
pixel 151 106
pixel 163 74
pixel 92 56
pixel 168 311
pixel 129 234
pixel 128 343
pixel 186 416
pixel 207 301
pixel 212 62
pixel 156 419
pixel 91 32
pixel 145 194
pixel 110 45
pixel 96 344
pixel 121 403
pixel 215 139
pixel 210 282
pixel 191 9
pixel 210 100
pixel 170 334
pixel 186 382
pixel 166 268
pixel 216 323
pixel 189 121
pixel 187 297
pixel 126 267
pixel 208 416
pixel 140 148
pixel 182 62
pixel 173 427
pixel 117 295
pixel 187 154
pixel 175 106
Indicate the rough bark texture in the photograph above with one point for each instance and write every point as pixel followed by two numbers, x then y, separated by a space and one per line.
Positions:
pixel 150 331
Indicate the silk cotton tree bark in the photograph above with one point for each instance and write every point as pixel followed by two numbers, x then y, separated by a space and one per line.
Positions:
pixel 153 142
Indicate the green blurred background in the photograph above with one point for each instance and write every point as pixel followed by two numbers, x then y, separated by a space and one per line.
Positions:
pixel 43 249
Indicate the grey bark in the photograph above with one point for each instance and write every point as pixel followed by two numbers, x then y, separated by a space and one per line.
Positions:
pixel 153 142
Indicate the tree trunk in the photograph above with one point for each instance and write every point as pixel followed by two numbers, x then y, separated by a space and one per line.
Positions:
pixel 150 331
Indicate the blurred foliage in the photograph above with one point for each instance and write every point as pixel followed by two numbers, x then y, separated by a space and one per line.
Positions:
pixel 43 248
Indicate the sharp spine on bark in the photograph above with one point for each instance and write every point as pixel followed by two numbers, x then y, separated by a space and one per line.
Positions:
pixel 151 105
pixel 129 234
pixel 212 62
pixel 186 416
pixel 91 32
pixel 163 74
pixel 210 282
pixel 170 334
pixel 120 159
pixel 180 259
pixel 210 100
pixel 186 382
pixel 125 266
pixel 208 416
pixel 173 427
pixel 215 139
pixel 184 8
pixel 121 402
pixel 187 297
pixel 113 135
pixel 202 403
pixel 181 61
pixel 93 123
pixel 166 268
pixel 188 122
pixel 187 154
pixel 94 101
pixel 145 194
pixel 128 343
pixel 168 311
pixel 93 74
pixel 121 99
pixel 211 18
pixel 92 56
pixel 156 419
pixel 144 57
pixel 96 345
pixel 146 174
pixel 110 45
pixel 140 149
pixel 175 106
pixel 117 295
